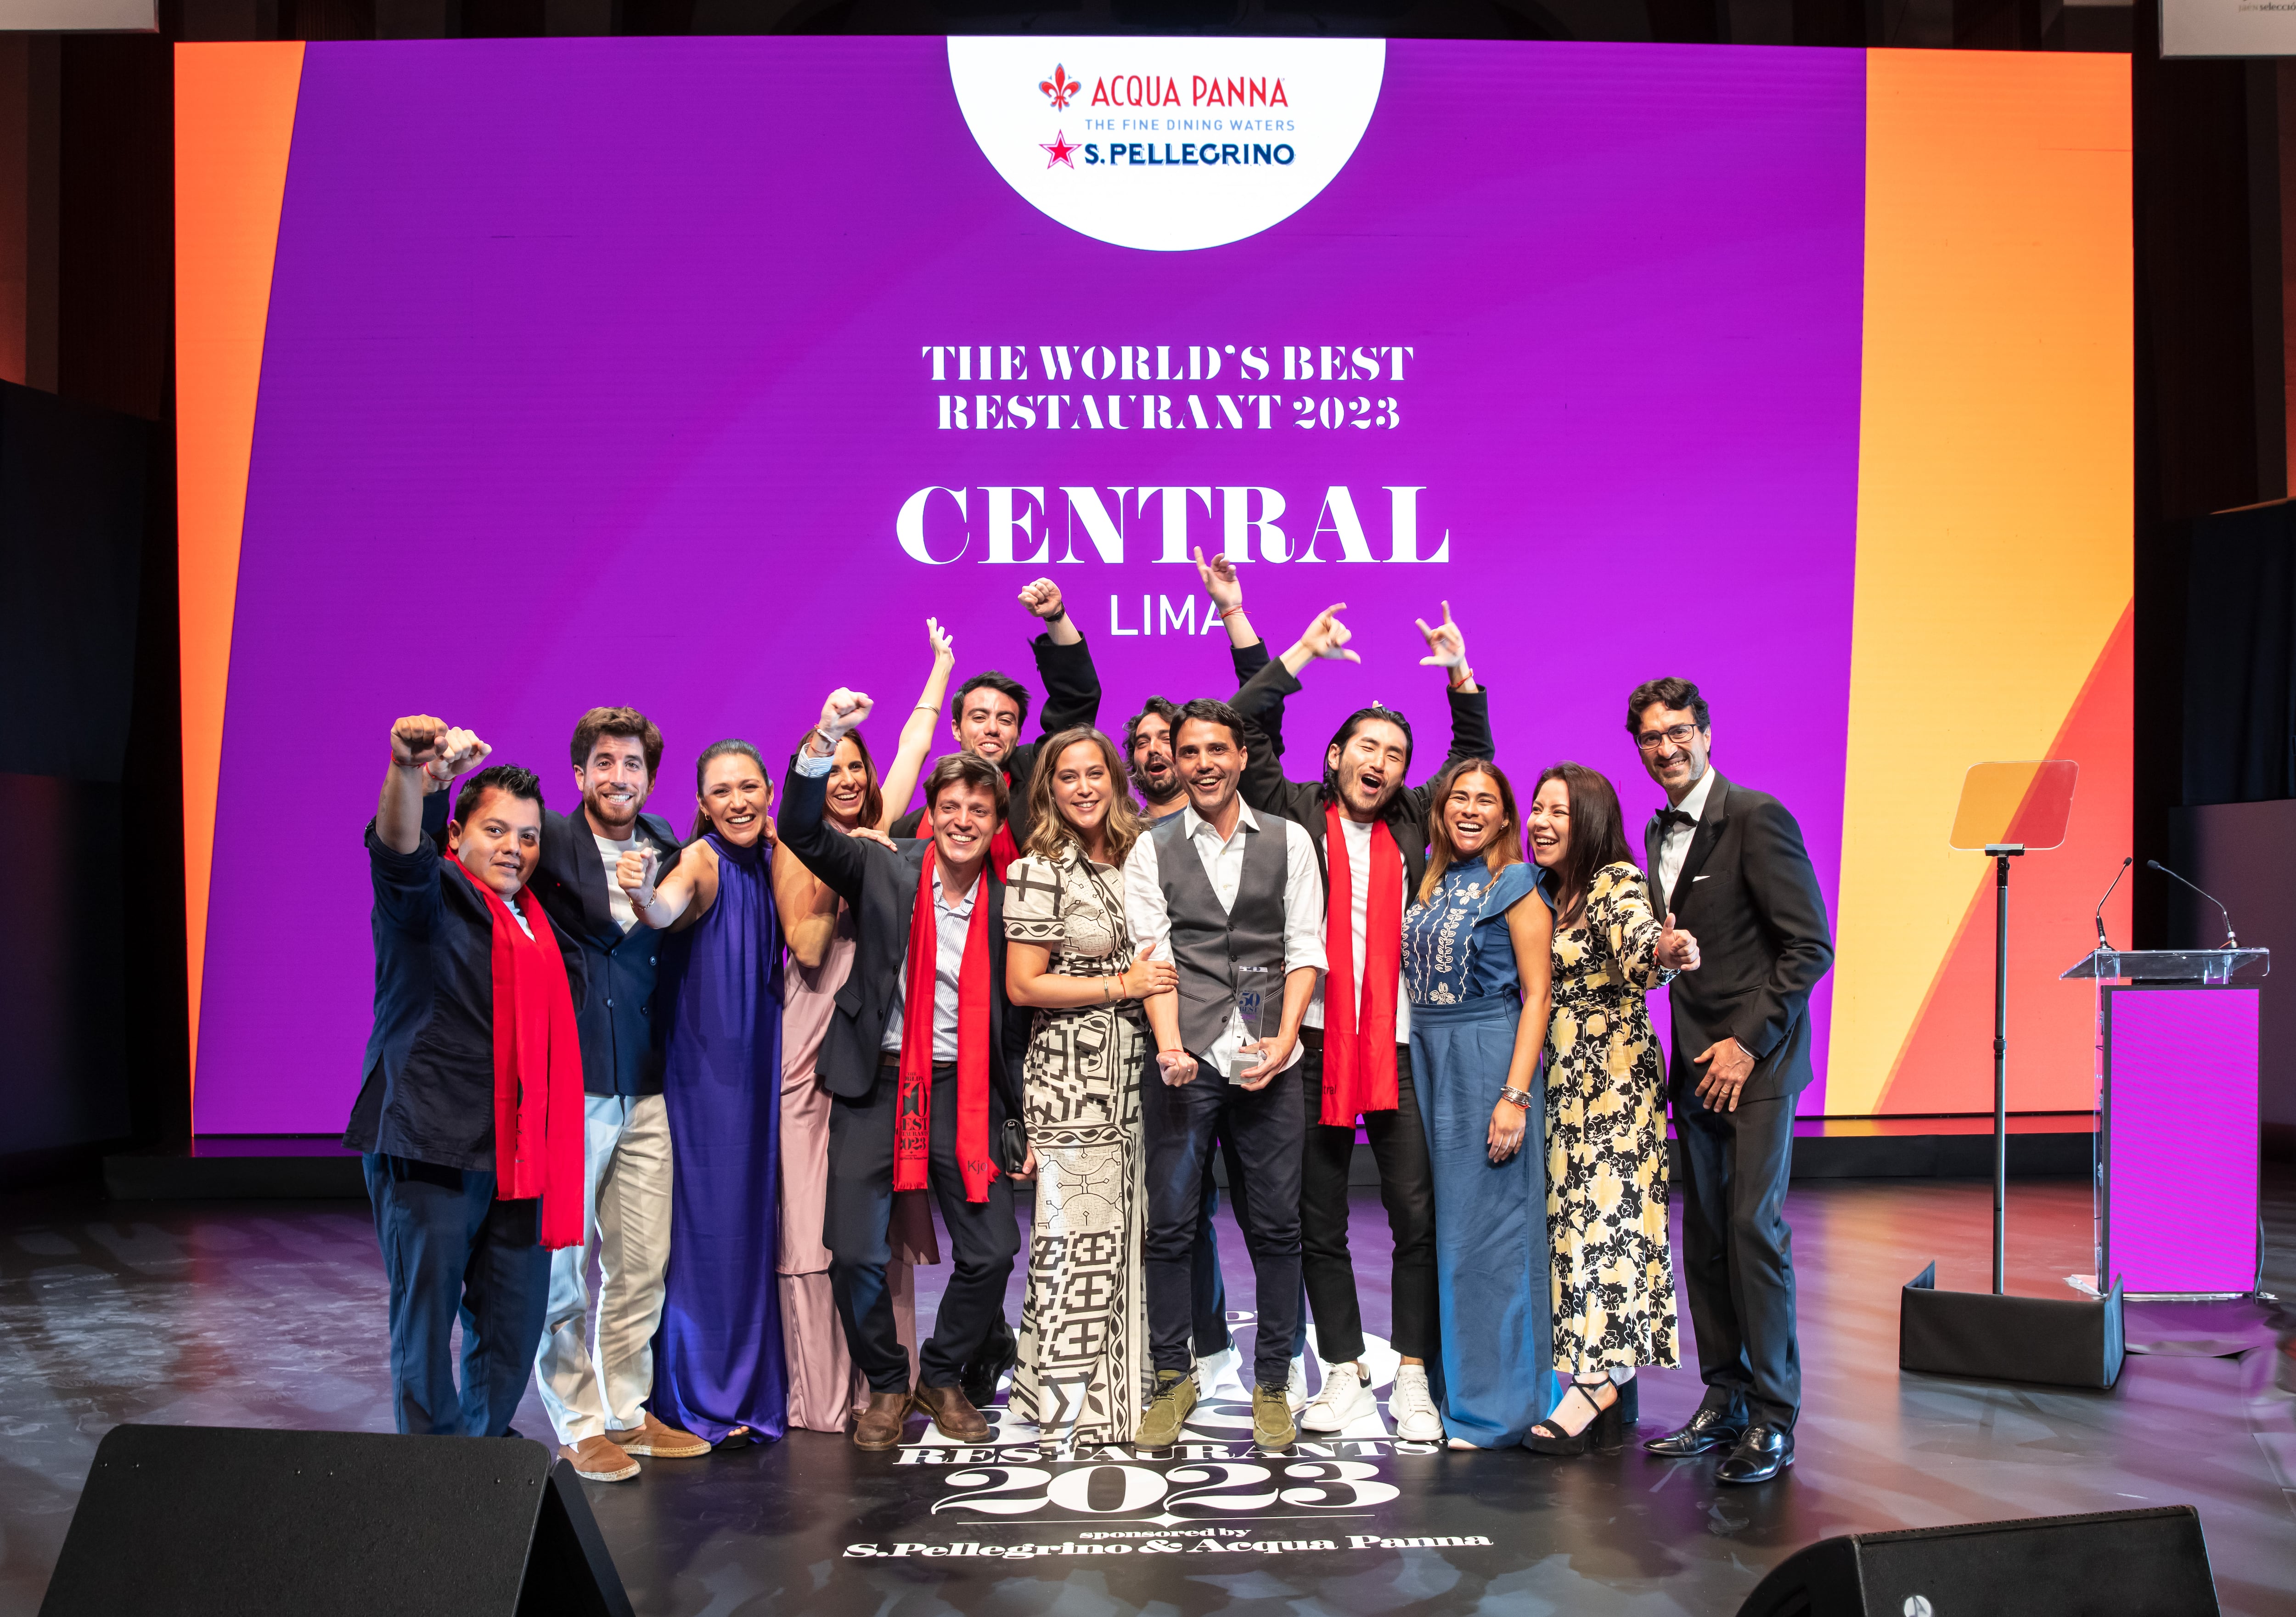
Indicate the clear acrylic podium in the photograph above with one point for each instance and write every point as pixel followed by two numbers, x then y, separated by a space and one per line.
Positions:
pixel 2176 1167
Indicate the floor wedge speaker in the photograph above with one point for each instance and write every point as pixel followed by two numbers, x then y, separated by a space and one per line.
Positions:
pixel 2116 1563
pixel 205 1520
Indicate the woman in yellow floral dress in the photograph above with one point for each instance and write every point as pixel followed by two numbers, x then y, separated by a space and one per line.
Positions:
pixel 1613 1285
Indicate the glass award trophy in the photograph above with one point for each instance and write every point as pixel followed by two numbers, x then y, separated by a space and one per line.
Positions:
pixel 1253 984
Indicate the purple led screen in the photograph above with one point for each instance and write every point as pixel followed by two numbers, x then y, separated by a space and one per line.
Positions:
pixel 594 374
pixel 2180 1147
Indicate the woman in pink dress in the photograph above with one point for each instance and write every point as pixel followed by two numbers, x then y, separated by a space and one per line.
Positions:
pixel 825 1387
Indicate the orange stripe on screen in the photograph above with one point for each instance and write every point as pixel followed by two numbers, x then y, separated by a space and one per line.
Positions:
pixel 234 122
pixel 1994 561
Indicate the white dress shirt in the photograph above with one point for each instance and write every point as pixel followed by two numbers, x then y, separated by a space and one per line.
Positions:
pixel 951 923
pixel 1223 862
pixel 1674 843
pixel 1358 841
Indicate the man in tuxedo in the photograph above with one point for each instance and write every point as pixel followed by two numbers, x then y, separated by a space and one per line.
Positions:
pixel 923 1058
pixel 1727 866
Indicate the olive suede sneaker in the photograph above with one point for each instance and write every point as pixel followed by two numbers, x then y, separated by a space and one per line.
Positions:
pixel 1272 1426
pixel 1167 1410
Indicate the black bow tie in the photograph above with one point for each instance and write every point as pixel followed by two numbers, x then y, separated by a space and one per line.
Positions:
pixel 1671 818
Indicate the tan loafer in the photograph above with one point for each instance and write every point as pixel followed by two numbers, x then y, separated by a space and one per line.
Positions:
pixel 953 1414
pixel 599 1459
pixel 658 1441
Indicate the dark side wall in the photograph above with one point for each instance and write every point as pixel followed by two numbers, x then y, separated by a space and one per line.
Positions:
pixel 75 497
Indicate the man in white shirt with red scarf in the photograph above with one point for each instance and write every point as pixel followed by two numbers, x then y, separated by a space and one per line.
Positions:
pixel 1358 1037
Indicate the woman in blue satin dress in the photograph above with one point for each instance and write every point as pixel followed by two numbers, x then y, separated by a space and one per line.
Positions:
pixel 1477 962
pixel 720 1367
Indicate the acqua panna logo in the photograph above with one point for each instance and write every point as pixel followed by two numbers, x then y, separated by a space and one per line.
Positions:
pixel 1168 145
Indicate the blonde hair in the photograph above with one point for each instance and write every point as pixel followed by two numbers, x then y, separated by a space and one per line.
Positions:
pixel 1049 831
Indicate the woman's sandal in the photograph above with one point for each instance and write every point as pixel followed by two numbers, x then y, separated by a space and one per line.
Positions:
pixel 1601 1430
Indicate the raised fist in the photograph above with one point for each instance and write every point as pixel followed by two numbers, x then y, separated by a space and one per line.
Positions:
pixel 439 750
pixel 1044 599
pixel 841 713
pixel 634 874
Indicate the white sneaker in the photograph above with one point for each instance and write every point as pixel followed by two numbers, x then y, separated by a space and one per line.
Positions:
pixel 1296 1391
pixel 1211 1367
pixel 1344 1398
pixel 1412 1406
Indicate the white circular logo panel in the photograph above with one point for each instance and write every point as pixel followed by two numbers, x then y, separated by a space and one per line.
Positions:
pixel 1168 145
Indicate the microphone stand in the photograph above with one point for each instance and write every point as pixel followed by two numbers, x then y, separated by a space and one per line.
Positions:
pixel 2230 941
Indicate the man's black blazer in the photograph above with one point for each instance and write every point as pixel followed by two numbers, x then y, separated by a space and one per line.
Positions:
pixel 1747 893
pixel 1264 787
pixel 1071 698
pixel 881 884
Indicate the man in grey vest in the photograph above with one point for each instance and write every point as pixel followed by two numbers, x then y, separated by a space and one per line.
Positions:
pixel 1233 900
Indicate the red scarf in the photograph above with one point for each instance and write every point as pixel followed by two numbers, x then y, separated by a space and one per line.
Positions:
pixel 913 1105
pixel 1001 849
pixel 538 1070
pixel 1359 1055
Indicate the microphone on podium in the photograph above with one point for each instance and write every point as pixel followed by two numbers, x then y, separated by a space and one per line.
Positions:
pixel 2230 941
pixel 2099 916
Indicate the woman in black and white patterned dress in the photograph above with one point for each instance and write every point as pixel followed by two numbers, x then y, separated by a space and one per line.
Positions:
pixel 1084 1340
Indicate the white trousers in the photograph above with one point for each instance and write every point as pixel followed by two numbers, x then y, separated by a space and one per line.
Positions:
pixel 625 1232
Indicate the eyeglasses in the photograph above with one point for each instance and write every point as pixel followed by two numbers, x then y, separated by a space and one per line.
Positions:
pixel 1679 735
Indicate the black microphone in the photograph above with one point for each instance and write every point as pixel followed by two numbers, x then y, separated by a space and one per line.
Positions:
pixel 2099 916
pixel 2230 941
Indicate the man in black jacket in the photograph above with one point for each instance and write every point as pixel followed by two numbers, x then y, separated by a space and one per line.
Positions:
pixel 457 1242
pixel 990 709
pixel 883 1068
pixel 1362 793
pixel 1726 865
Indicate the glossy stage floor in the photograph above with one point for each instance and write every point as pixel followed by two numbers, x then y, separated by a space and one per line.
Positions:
pixel 271 1315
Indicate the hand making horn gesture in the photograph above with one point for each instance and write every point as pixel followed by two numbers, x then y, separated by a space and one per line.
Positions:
pixel 1327 636
pixel 1446 648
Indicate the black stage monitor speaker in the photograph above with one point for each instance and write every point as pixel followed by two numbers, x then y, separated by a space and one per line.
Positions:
pixel 2116 1564
pixel 211 1521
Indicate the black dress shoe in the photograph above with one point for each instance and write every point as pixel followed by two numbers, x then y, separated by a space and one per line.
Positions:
pixel 1705 1432
pixel 996 1355
pixel 1764 1452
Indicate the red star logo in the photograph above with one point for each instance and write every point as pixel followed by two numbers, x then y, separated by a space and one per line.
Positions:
pixel 1060 149
pixel 1060 86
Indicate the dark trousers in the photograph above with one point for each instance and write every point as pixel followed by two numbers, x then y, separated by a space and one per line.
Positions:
pixel 1407 1189
pixel 1209 1288
pixel 1737 1253
pixel 450 1250
pixel 982 1237
pixel 1265 1129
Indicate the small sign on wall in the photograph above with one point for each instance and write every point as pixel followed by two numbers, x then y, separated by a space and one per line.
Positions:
pixel 79 16
pixel 2228 28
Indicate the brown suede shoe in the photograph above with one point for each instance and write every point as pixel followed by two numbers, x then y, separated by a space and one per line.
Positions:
pixel 878 1426
pixel 599 1459
pixel 953 1414
pixel 656 1441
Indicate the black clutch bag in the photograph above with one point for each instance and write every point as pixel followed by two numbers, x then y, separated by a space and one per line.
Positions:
pixel 1011 1147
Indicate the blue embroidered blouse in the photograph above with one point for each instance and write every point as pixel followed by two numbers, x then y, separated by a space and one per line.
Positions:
pixel 1454 944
